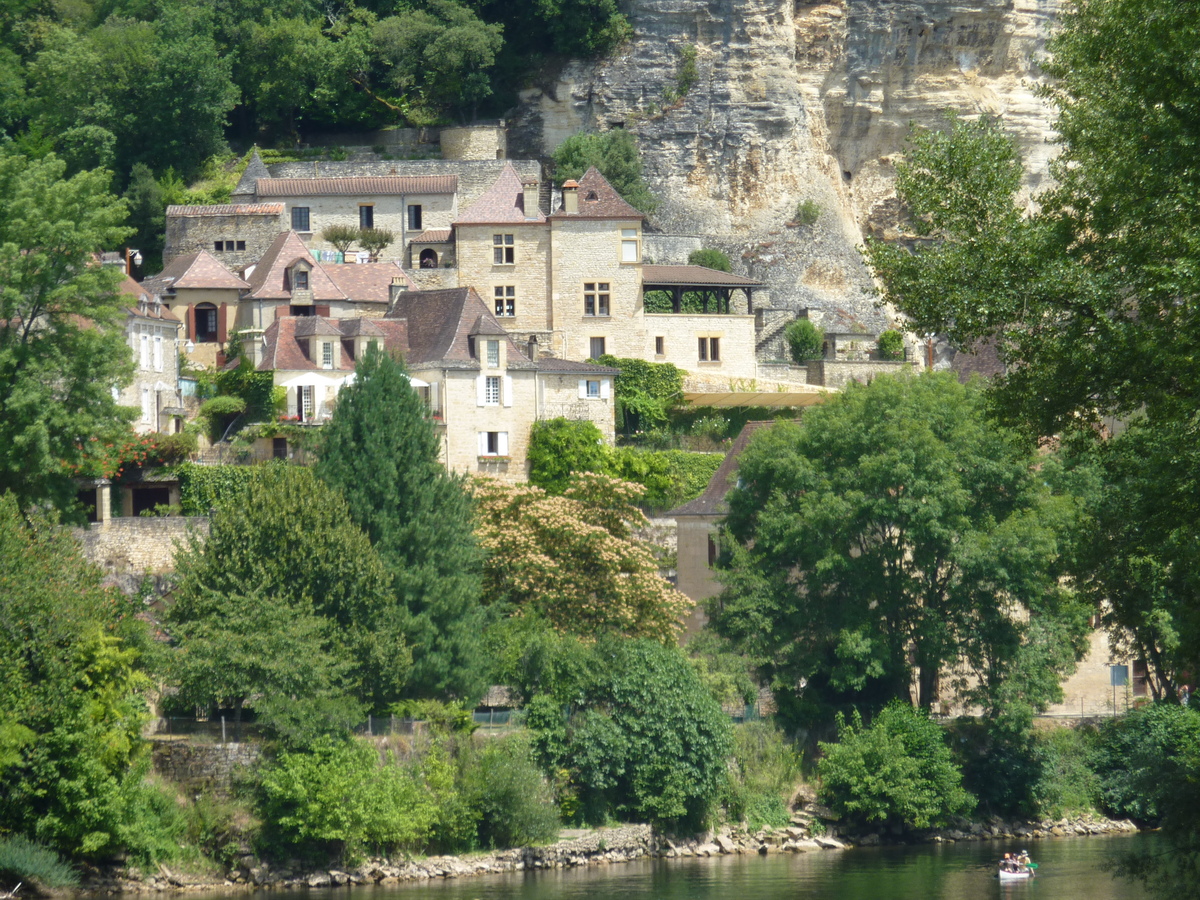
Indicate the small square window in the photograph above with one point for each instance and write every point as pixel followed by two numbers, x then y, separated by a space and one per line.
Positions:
pixel 493 443
pixel 596 347
pixel 503 253
pixel 659 345
pixel 491 392
pixel 506 300
pixel 593 390
pixel 300 220
pixel 710 349
pixel 218 246
pixel 241 245
pixel 366 216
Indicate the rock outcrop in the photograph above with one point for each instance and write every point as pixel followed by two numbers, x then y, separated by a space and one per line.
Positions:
pixel 797 101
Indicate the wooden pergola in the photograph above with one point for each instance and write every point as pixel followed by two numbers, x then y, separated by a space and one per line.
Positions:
pixel 714 288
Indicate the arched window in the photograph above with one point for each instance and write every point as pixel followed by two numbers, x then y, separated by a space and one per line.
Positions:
pixel 428 258
pixel 206 323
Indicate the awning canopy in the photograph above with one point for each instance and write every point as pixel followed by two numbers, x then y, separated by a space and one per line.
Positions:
pixel 415 382
pixel 757 398
pixel 310 379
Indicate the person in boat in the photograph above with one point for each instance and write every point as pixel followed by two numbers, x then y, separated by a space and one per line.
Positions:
pixel 1008 864
pixel 1023 859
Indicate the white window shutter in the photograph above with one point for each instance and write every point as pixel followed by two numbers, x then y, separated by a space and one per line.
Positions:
pixel 481 390
pixel 483 443
pixel 582 388
pixel 604 385
pixel 508 390
pixel 158 353
pixel 433 395
pixel 502 443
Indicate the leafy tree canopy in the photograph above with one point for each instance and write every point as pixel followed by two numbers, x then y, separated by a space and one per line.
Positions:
pixel 62 343
pixel 891 538
pixel 615 154
pixel 573 559
pixel 710 259
pixel 381 454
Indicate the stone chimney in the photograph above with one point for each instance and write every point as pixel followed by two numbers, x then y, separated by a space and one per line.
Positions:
pixel 532 347
pixel 570 196
pixel 395 289
pixel 530 189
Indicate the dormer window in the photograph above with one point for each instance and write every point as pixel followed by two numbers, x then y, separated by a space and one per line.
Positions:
pixel 326 355
pixel 493 354
pixel 300 280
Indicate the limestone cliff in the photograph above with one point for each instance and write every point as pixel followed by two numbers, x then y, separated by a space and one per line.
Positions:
pixel 793 101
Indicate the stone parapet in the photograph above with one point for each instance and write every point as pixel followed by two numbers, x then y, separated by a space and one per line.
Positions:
pixel 141 545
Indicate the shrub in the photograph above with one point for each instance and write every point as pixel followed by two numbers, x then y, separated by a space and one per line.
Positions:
pixel 22 860
pixel 374 240
pixel 897 771
pixel 341 236
pixel 805 341
pixel 514 803
pixel 765 771
pixel 807 212
pixel 1141 757
pixel 560 447
pixel 670 477
pixel 710 259
pixel 204 488
pixel 891 344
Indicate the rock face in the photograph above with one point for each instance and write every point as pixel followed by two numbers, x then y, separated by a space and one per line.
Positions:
pixel 797 101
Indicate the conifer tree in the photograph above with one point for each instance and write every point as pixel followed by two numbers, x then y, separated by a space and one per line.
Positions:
pixel 381 453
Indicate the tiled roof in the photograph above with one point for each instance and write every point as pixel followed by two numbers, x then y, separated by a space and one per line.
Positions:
pixel 360 327
pixel 193 270
pixel 227 209
pixel 358 186
pixel 255 169
pixel 432 236
pixel 157 311
pixel 440 324
pixel 599 200
pixel 268 281
pixel 282 350
pixel 981 358
pixel 712 501
pixel 694 275
pixel 553 366
pixel 368 282
pixel 501 204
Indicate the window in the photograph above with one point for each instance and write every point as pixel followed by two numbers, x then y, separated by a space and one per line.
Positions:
pixel 506 300
pixel 595 298
pixel 710 349
pixel 147 405
pixel 659 346
pixel 326 355
pixel 301 311
pixel 503 250
pixel 491 391
pixel 218 246
pixel 493 354
pixel 629 245
pixel 206 323
pixel 145 354
pixel 429 258
pixel 300 280
pixel 306 402
pixel 414 216
pixel 158 353
pixel 366 216
pixel 593 390
pixel 300 218
pixel 493 443
pixel 596 348
pixel 241 245
pixel 279 448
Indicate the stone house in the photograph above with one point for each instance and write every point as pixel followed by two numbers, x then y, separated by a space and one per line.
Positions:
pixel 203 293
pixel 153 337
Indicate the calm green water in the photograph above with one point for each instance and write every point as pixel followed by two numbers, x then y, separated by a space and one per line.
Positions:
pixel 1069 869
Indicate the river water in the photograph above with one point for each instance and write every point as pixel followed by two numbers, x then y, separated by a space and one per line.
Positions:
pixel 1068 869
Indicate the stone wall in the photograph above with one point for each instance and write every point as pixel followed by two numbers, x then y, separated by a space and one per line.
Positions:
pixel 681 333
pixel 188 234
pixel 200 766
pixel 528 275
pixel 836 373
pixel 670 249
pixel 475 142
pixel 143 545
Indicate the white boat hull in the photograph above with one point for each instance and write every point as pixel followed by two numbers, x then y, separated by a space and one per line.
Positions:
pixel 1016 876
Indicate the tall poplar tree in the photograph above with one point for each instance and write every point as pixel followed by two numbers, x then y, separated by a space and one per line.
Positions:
pixel 381 453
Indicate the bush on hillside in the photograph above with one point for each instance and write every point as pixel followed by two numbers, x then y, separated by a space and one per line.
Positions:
pixel 805 341
pixel 506 789
pixel 710 259
pixel 890 344
pixel 896 771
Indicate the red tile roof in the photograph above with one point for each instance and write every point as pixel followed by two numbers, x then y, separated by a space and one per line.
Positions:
pixel 693 275
pixel 227 209
pixel 283 351
pixel 440 325
pixel 268 280
pixel 501 204
pixel 432 236
pixel 357 186
pixel 598 200
pixel 193 270
pixel 369 282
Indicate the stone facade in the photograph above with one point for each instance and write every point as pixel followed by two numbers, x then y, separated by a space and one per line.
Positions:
pixel 565 396
pixel 138 545
pixel 529 274
pixel 389 213
pixel 475 142
pixel 681 334
pixel 153 337
pixel 253 228
pixel 695 537
pixel 837 373
pixel 209 767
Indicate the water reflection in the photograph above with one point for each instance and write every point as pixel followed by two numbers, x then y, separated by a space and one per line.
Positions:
pixel 1069 869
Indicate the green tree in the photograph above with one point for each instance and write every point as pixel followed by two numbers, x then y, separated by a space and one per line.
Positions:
pixel 710 259
pixel 897 771
pixel 573 559
pixel 71 695
pixel 636 732
pixel 147 215
pixel 558 448
pixel 645 392
pixel 583 27
pixel 615 154
pixel 283 552
pixel 805 341
pixel 888 539
pixel 341 236
pixel 62 344
pixel 381 454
